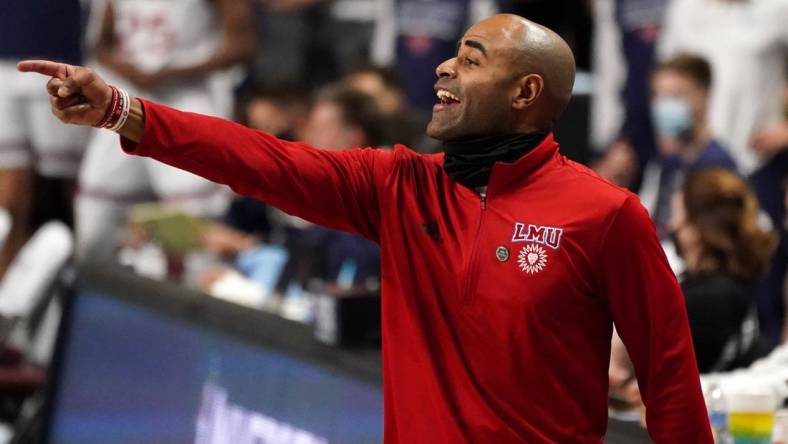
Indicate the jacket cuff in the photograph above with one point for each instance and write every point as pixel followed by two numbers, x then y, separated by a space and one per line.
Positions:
pixel 132 147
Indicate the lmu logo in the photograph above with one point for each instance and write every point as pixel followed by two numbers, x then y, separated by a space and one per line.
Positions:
pixel 549 236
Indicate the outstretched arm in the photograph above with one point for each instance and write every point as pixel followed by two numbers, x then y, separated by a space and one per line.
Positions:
pixel 338 189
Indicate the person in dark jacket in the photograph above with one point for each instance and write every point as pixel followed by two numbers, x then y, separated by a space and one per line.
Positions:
pixel 715 226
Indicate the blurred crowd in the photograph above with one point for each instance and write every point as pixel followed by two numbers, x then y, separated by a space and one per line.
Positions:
pixel 689 109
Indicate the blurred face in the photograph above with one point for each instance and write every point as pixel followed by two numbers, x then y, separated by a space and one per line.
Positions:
pixel 265 115
pixel 678 108
pixel 326 128
pixel 389 101
pixel 475 89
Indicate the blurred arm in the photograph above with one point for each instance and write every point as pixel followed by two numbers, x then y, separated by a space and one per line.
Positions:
pixel 237 46
pixel 237 40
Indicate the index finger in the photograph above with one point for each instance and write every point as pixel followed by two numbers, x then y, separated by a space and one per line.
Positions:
pixel 45 67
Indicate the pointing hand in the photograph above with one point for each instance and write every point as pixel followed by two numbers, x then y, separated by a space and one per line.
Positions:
pixel 78 95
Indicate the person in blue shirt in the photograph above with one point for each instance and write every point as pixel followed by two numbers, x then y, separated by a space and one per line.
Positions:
pixel 680 91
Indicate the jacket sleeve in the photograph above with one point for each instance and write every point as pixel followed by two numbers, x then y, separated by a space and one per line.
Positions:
pixel 649 313
pixel 332 188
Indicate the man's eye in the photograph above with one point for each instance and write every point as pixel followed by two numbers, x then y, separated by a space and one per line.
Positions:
pixel 470 61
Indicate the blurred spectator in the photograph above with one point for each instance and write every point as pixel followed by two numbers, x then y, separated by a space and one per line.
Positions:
pixel 177 53
pixel 746 43
pixel 382 85
pixel 340 118
pixel 343 118
pixel 621 378
pixel 311 42
pixel 400 125
pixel 32 141
pixel 768 182
pixel 625 37
pixel 416 36
pixel 716 230
pixel 679 103
pixel 571 19
pixel 351 27
pixel 619 165
pixel 280 110
pixel 775 138
pixel 279 60
pixel 715 226
pixel 345 261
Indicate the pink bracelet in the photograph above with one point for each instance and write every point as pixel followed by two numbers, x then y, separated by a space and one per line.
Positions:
pixel 111 109
pixel 117 110
pixel 119 119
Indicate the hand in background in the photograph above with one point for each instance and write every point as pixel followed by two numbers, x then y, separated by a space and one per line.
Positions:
pixel 621 374
pixel 142 80
pixel 77 94
pixel 772 139
pixel 224 240
pixel 618 165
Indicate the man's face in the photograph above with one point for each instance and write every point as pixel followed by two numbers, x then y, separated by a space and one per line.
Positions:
pixel 475 89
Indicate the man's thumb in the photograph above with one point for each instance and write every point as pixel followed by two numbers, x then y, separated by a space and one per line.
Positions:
pixel 86 82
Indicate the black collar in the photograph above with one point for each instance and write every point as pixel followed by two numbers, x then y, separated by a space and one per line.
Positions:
pixel 470 161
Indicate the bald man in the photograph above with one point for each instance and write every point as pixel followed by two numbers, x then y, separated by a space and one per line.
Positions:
pixel 504 265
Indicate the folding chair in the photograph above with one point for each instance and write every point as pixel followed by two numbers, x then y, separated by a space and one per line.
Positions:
pixel 31 275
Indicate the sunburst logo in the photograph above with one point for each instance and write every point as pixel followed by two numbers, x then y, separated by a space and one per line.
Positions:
pixel 532 258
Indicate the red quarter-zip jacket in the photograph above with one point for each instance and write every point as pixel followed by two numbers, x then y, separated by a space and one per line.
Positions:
pixel 497 311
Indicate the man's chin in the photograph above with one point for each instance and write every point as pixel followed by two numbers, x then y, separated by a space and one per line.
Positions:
pixel 439 132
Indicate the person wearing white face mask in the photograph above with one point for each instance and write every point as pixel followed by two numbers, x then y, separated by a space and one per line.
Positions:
pixel 680 91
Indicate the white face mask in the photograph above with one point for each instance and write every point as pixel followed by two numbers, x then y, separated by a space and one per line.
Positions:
pixel 672 116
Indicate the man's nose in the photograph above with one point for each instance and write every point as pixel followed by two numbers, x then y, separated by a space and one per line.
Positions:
pixel 446 69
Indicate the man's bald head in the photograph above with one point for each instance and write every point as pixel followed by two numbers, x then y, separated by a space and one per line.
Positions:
pixel 543 52
pixel 514 71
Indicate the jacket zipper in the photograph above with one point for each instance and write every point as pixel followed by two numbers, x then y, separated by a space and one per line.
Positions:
pixel 471 274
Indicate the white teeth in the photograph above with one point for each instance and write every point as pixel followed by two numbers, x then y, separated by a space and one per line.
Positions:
pixel 446 95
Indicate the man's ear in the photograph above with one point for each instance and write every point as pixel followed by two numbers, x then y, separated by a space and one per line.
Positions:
pixel 530 88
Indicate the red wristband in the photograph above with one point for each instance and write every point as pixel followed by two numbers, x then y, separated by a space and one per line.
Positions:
pixel 111 109
pixel 116 112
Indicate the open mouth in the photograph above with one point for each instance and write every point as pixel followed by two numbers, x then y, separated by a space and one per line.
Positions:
pixel 447 98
